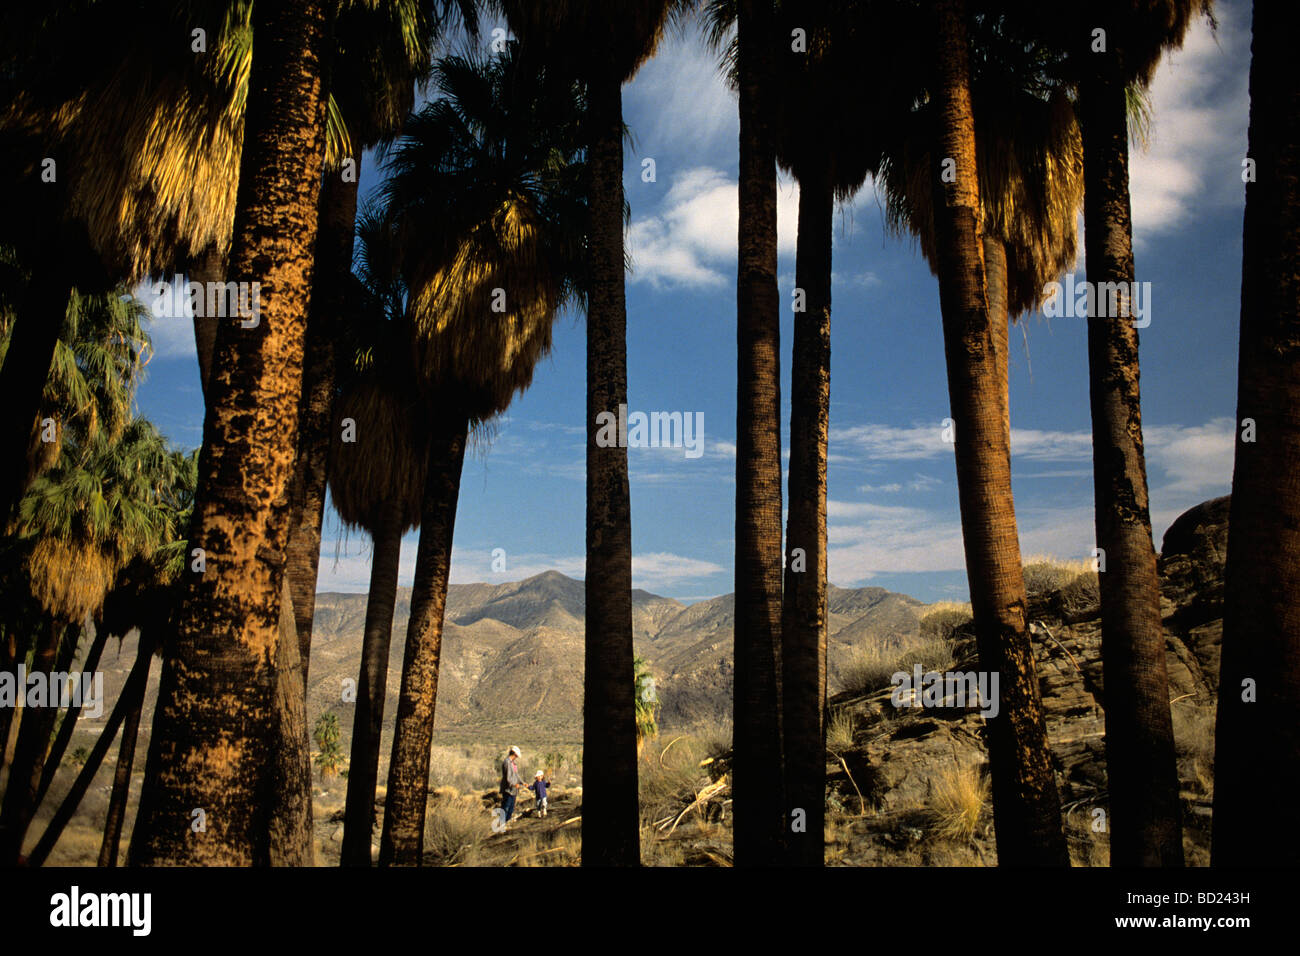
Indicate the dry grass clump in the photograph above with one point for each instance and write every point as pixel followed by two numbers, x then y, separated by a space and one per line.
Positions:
pixel 464 768
pixel 1045 573
pixel 872 667
pixel 957 803
pixel 839 731
pixel 1194 742
pixel 454 831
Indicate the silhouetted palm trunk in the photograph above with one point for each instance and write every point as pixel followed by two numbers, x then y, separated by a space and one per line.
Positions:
pixel 1026 805
pixel 131 698
pixel 216 702
pixel 803 611
pixel 20 798
pixel 402 842
pixel 757 773
pixel 8 665
pixel 610 824
pixel 1257 747
pixel 1142 777
pixel 108 849
pixel 334 241
pixel 69 723
pixel 22 380
pixel 209 268
pixel 372 685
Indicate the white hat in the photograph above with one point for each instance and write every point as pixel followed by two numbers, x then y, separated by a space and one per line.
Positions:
pixel 539 774
pixel 516 751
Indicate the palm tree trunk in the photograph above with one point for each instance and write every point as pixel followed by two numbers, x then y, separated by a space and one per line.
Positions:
pixel 20 799
pixel 1257 748
pixel 216 702
pixel 334 240
pixel 8 665
pixel 209 268
pixel 131 698
pixel 803 610
pixel 1026 805
pixel 1142 776
pixel 290 825
pixel 69 723
pixel 757 775
pixel 402 842
pixel 610 825
pixel 372 685
pixel 995 272
pixel 108 849
pixel 22 380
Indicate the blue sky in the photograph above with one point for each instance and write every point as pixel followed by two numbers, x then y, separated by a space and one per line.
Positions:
pixel 893 516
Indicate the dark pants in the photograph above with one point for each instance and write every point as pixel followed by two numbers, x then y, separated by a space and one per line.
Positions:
pixel 508 804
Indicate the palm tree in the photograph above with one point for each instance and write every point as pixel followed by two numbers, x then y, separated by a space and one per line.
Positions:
pixel 1111 49
pixel 609 43
pixel 377 483
pixel 383 53
pixel 87 518
pixel 487 191
pixel 1257 754
pixel 1026 804
pixel 205 752
pixel 757 775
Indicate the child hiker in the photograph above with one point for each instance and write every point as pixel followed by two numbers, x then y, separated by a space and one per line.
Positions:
pixel 538 786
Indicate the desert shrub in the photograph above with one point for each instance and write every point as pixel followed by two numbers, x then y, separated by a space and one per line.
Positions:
pixel 1080 595
pixel 871 667
pixel 957 802
pixel 329 757
pixel 942 619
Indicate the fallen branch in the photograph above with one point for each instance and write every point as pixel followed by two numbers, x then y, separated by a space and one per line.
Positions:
pixel 1048 631
pixel 701 798
pixel 862 803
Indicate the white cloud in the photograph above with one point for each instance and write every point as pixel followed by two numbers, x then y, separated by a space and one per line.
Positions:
pixel 172 333
pixel 691 240
pixel 682 102
pixel 1200 110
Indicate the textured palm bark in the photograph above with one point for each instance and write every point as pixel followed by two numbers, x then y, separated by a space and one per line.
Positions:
pixel 110 846
pixel 132 697
pixel 803 609
pixel 1142 777
pixel 1257 748
pixel 610 824
pixel 1026 803
pixel 995 272
pixel 21 792
pixel 70 718
pixel 290 824
pixel 216 706
pixel 209 268
pixel 22 380
pixel 372 686
pixel 334 242
pixel 759 806
pixel 402 841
